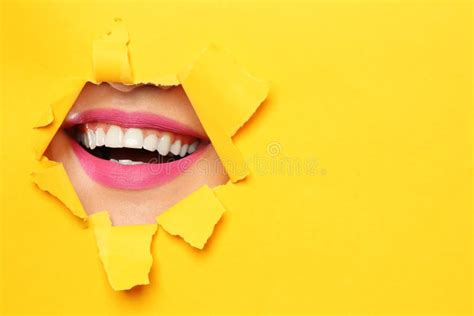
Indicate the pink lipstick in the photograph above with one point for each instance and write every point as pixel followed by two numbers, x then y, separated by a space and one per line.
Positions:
pixel 132 150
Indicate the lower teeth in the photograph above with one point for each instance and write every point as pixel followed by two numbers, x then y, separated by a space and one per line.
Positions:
pixel 127 162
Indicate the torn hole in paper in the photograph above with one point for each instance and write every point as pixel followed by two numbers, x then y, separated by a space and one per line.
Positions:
pixel 232 95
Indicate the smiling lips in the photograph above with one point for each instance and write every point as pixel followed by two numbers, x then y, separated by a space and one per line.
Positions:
pixel 132 150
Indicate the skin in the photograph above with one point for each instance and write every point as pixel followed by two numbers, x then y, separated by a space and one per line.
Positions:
pixel 127 207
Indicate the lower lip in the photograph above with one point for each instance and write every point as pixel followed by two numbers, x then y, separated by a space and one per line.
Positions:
pixel 132 177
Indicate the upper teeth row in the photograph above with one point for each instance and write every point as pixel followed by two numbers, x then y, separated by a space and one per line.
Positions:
pixel 133 138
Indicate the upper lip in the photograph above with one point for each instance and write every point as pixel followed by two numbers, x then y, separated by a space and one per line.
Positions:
pixel 131 119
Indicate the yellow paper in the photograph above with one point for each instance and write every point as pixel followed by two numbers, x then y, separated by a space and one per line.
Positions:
pixel 47 117
pixel 194 217
pixel 52 178
pixel 224 96
pixel 110 56
pixel 45 131
pixel 124 251
pixel 360 197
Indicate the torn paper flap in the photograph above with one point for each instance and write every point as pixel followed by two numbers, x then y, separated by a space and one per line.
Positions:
pixel 44 132
pixel 46 163
pixel 46 118
pixel 160 80
pixel 231 94
pixel 194 217
pixel 52 178
pixel 230 156
pixel 110 56
pixel 125 251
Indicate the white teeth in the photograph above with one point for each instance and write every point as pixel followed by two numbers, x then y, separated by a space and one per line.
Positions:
pixel 114 136
pixel 184 150
pixel 91 139
pixel 100 137
pixel 85 140
pixel 151 142
pixel 128 162
pixel 133 138
pixel 176 147
pixel 192 148
pixel 164 145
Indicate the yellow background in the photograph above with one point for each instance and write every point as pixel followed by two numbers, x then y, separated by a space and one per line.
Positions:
pixel 377 93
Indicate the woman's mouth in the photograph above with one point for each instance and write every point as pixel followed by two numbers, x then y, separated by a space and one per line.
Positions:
pixel 132 146
pixel 132 150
